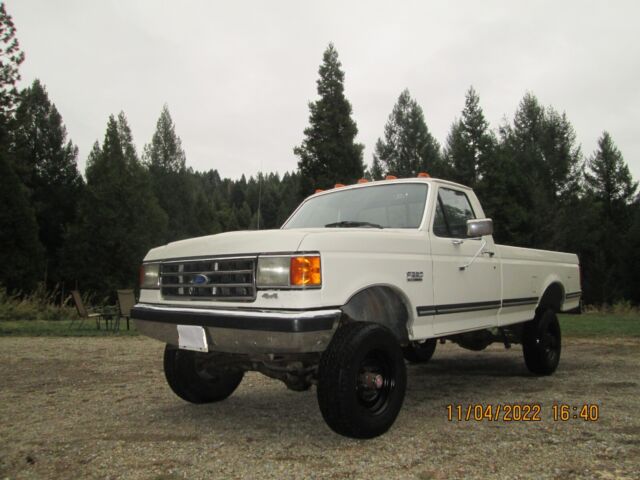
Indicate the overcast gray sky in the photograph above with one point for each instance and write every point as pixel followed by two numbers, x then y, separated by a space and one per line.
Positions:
pixel 237 76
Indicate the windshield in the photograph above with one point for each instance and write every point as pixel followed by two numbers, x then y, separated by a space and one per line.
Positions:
pixel 383 206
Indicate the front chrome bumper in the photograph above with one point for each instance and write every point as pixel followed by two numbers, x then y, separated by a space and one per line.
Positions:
pixel 242 330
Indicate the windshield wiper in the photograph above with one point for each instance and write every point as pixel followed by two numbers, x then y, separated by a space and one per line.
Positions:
pixel 352 224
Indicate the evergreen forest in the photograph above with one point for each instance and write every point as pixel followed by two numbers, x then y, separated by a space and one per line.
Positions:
pixel 61 228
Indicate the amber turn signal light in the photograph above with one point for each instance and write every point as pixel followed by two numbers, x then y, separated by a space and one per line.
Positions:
pixel 305 271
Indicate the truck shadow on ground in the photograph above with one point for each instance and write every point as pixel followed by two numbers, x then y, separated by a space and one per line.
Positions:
pixel 495 364
pixel 264 408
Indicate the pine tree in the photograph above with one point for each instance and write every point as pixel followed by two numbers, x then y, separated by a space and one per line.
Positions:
pixel 20 250
pixel 502 198
pixel 238 192
pixel 10 59
pixel 243 214
pixel 376 172
pixel 328 153
pixel 174 187
pixel 538 165
pixel 47 163
pixel 544 144
pixel 205 212
pixel 608 178
pixel 470 142
pixel 408 146
pixel 610 185
pixel 562 164
pixel 269 201
pixel 165 151
pixel 290 198
pixel 119 216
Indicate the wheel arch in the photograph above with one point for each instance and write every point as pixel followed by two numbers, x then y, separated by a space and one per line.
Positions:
pixel 552 298
pixel 382 304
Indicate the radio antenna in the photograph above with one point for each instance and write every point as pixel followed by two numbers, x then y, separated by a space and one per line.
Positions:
pixel 259 192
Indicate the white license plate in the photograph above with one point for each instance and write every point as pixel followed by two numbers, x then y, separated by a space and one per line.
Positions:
pixel 191 337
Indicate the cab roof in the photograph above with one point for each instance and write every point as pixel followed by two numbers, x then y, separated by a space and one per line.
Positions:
pixel 388 181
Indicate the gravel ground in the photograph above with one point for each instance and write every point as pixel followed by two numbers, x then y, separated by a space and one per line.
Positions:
pixel 99 408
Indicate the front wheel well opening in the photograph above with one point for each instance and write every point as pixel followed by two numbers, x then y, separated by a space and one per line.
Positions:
pixel 552 298
pixel 381 305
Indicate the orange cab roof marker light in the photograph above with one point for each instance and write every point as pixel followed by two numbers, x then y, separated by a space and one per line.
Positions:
pixel 391 177
pixel 318 190
pixel 424 175
pixel 363 180
pixel 338 185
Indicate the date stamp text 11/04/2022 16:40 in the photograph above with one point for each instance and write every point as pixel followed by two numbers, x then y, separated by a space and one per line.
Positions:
pixel 526 412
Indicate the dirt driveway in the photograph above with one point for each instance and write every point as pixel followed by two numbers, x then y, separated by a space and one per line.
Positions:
pixel 99 408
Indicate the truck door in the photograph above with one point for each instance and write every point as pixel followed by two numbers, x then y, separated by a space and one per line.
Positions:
pixel 464 298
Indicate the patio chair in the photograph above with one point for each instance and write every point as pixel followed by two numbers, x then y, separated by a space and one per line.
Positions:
pixel 85 314
pixel 126 301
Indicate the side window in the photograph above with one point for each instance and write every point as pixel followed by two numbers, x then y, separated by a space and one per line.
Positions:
pixel 440 227
pixel 452 212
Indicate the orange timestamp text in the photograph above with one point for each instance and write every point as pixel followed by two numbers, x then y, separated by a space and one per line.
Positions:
pixel 520 412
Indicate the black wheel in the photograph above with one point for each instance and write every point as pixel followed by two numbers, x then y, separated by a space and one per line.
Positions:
pixel 542 343
pixel 361 380
pixel 420 352
pixel 189 379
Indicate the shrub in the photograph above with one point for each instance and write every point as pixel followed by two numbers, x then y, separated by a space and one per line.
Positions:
pixel 38 305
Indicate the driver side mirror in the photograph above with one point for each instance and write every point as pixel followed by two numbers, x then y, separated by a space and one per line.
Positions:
pixel 479 227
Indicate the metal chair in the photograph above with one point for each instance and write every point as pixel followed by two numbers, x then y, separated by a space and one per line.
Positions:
pixel 84 314
pixel 126 301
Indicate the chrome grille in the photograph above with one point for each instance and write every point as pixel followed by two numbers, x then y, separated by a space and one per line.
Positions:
pixel 230 279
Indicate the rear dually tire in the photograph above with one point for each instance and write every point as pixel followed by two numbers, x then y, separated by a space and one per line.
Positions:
pixel 542 343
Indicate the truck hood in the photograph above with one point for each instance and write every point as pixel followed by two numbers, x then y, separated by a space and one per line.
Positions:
pixel 231 243
pixel 364 240
pixel 284 241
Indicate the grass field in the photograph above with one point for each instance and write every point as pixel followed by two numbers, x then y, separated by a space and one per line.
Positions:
pixel 100 408
pixel 601 324
pixel 586 325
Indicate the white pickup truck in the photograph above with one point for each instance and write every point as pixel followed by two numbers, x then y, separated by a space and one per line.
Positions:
pixel 357 280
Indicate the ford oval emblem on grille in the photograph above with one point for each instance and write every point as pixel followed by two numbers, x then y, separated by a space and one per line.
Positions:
pixel 199 279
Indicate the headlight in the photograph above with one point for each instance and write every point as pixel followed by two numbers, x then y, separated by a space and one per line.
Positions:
pixel 289 271
pixel 150 275
pixel 273 272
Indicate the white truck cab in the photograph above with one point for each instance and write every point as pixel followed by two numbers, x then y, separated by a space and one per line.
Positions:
pixel 359 278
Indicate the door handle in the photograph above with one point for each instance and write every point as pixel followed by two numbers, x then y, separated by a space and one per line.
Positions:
pixel 488 252
pixel 457 241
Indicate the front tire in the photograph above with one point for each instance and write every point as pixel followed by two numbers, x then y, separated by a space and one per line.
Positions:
pixel 189 378
pixel 420 352
pixel 542 343
pixel 361 380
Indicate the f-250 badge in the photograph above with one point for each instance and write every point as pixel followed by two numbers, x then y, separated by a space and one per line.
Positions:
pixel 414 276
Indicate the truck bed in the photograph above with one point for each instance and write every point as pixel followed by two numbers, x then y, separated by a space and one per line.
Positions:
pixel 543 268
